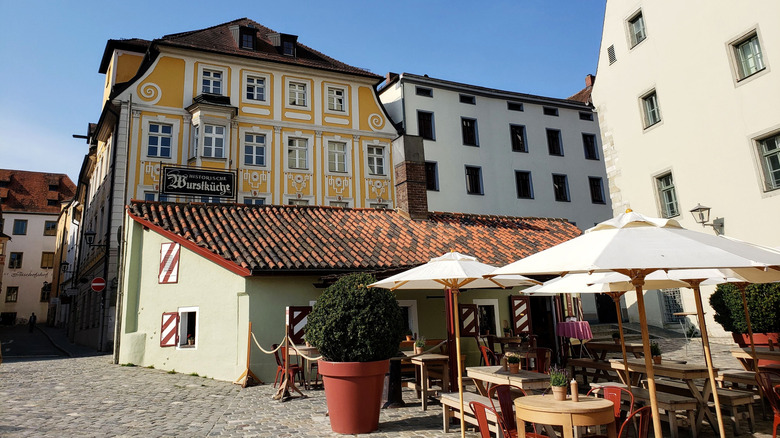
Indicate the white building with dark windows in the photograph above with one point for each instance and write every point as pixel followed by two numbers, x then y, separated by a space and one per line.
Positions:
pixel 490 151
pixel 688 107
pixel 30 202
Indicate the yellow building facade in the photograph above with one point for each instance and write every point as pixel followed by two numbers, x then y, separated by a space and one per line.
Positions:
pixel 297 128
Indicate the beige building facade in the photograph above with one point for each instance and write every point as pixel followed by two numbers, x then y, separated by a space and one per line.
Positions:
pixel 687 102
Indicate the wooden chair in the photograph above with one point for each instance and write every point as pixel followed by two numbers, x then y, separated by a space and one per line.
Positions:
pixel 480 413
pixel 538 359
pixel 506 394
pixel 295 369
pixel 766 380
pixel 488 356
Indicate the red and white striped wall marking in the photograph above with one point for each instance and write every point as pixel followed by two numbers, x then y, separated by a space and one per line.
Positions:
pixel 169 263
pixel 169 331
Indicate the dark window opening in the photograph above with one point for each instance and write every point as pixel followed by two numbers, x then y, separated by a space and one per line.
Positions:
pixel 469 131
pixel 421 91
pixel 514 106
pixel 431 176
pixel 561 188
pixel 590 146
pixel 425 125
pixel 517 133
pixel 554 142
pixel 474 180
pixel 596 190
pixel 465 98
pixel 550 111
pixel 523 184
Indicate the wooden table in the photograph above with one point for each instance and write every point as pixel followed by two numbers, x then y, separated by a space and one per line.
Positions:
pixel 600 349
pixel 685 372
pixel 544 409
pixel 527 380
pixel 762 353
pixel 422 373
pixel 306 351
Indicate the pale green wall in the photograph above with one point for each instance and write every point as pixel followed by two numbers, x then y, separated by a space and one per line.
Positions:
pixel 216 292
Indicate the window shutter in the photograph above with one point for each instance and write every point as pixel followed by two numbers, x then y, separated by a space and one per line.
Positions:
pixel 169 331
pixel 298 319
pixel 469 325
pixel 521 314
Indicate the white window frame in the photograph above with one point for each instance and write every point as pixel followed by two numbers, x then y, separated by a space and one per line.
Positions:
pixel 297 89
pixel 650 107
pixel 253 200
pixel 633 37
pixel 183 327
pixel 254 145
pixel 332 98
pixel 338 161
pixel 413 321
pixel 767 184
pixel 376 168
pixel 205 73
pixel 146 123
pixel 160 137
pixel 735 56
pixel 661 191
pixel 254 76
pixel 213 136
pixel 301 153
pixel 489 302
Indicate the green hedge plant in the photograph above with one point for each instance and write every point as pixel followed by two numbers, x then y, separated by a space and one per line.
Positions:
pixel 351 322
pixel 763 304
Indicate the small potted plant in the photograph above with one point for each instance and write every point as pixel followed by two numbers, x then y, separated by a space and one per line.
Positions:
pixel 408 335
pixel 616 337
pixel 190 339
pixel 419 345
pixel 559 382
pixel 513 361
pixel 655 351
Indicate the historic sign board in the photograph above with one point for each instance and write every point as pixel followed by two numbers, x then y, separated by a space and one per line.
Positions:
pixel 189 181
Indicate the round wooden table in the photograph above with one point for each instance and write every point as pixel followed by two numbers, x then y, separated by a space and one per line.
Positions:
pixel 544 409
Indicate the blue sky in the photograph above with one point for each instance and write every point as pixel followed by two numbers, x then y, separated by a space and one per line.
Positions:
pixel 51 51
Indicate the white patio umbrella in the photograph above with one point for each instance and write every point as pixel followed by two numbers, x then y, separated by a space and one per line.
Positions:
pixel 453 271
pixel 636 245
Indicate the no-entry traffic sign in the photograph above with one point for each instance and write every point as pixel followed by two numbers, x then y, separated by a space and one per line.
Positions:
pixel 98 284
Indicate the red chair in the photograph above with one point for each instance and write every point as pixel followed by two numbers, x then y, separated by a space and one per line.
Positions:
pixel 488 356
pixel 615 394
pixel 480 412
pixel 506 395
pixel 295 369
pixel 766 379
pixel 644 416
pixel 538 359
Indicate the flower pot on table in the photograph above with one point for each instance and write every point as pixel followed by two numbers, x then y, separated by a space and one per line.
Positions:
pixel 559 392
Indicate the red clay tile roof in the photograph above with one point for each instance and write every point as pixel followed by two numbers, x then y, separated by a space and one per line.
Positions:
pixel 219 39
pixel 274 238
pixel 37 192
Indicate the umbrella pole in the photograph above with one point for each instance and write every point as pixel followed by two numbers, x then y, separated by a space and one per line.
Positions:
pixel 708 355
pixel 616 299
pixel 640 302
pixel 456 320
pixel 742 287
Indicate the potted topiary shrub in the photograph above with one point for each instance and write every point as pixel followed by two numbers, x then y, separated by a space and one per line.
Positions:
pixel 763 302
pixel 357 330
pixel 655 351
pixel 616 337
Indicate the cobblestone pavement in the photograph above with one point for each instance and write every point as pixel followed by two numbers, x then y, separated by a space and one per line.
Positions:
pixel 90 397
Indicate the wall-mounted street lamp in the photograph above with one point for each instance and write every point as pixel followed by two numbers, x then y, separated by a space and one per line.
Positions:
pixel 89 237
pixel 64 268
pixel 701 215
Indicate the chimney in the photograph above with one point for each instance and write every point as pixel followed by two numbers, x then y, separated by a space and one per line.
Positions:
pixel 411 193
pixel 590 80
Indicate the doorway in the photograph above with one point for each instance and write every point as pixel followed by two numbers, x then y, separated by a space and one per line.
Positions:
pixel 605 309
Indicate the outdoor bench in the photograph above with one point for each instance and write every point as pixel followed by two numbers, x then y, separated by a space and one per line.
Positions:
pixel 671 404
pixel 601 370
pixel 450 403
pixel 730 399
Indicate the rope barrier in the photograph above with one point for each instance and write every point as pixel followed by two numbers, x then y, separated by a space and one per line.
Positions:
pixel 424 352
pixel 271 351
pixel 303 355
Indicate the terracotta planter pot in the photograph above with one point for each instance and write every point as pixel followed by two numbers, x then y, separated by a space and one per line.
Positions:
pixel 514 368
pixel 759 340
pixel 418 350
pixel 656 359
pixel 408 337
pixel 353 391
pixel 559 392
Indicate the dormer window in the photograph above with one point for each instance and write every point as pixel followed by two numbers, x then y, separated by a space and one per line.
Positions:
pixel 288 48
pixel 247 41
